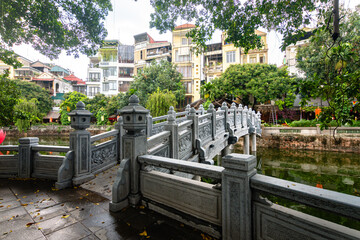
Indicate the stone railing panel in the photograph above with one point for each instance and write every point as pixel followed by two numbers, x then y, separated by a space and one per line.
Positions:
pixel 46 166
pixel 104 155
pixel 9 166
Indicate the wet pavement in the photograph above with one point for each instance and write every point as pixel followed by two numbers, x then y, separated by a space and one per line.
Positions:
pixel 34 209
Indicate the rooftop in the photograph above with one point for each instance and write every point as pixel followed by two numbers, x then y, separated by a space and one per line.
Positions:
pixel 185 26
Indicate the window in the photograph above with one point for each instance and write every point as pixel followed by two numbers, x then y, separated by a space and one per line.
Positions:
pixel 182 58
pixel 252 59
pixel 184 41
pixel 245 59
pixel 93 91
pixel 126 72
pixel 106 87
pixel 112 85
pixel 188 87
pixel 230 56
pixel 141 54
pixel 109 72
pixel 94 77
pixel 186 71
pixel 262 60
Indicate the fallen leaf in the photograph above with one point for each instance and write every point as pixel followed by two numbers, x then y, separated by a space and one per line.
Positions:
pixel 37 191
pixel 24 197
pixel 8 206
pixel 1 206
pixel 41 218
pixel 29 224
pixel 65 216
pixel 102 222
pixel 31 203
pixel 39 228
pixel 141 207
pixel 75 187
pixel 81 198
pixel 77 207
pixel 128 224
pixel 24 205
pixel 18 200
pixel 62 204
pixel 144 233
pixel 90 215
pixel 96 203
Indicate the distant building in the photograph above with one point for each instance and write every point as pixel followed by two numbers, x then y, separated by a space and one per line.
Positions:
pixel 59 71
pixel 147 50
pixel 188 63
pixel 77 84
pixel 55 85
pixel 26 72
pixel 219 56
pixel 111 69
pixel 291 52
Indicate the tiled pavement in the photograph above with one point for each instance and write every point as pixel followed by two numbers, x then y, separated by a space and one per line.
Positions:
pixel 34 209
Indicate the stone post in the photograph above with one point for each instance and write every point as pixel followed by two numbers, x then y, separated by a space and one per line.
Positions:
pixel 26 156
pixel 212 110
pixel 149 125
pixel 173 128
pixel 187 109
pixel 233 107
pixel 201 109
pixel 246 144
pixel 236 196
pixel 240 110
pixel 80 144
pixel 195 126
pixel 119 126
pixel 253 132
pixel 134 144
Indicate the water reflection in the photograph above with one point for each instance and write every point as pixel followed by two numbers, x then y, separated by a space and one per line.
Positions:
pixel 330 170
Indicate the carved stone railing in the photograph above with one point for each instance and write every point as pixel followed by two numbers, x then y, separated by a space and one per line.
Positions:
pixel 236 209
pixel 106 154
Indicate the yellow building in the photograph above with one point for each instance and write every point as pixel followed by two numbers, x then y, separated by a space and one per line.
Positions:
pixel 26 72
pixel 188 63
pixel 219 56
pixel 234 55
pixel 146 50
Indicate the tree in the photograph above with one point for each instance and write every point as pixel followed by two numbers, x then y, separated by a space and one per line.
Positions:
pixel 117 102
pixel 25 113
pixel 162 75
pixel 94 104
pixel 159 102
pixel 69 104
pixel 253 83
pixel 52 26
pixel 9 95
pixel 239 20
pixel 332 69
pixel 31 90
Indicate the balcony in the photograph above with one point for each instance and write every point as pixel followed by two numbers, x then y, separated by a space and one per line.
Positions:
pixel 213 69
pixel 93 79
pixel 108 64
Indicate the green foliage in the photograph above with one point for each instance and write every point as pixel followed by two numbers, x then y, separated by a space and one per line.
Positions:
pixel 52 26
pixel 161 76
pixel 304 123
pixel 101 116
pixel 69 104
pixel 9 94
pixel 261 82
pixel 239 20
pixel 96 103
pixel 25 113
pixel 333 69
pixel 31 90
pixel 116 103
pixel 159 102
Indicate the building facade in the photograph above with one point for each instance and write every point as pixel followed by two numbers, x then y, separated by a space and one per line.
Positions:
pixel 219 56
pixel 111 70
pixel 189 64
pixel 147 50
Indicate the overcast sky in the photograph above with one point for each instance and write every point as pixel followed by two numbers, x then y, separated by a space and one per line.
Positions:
pixel 130 18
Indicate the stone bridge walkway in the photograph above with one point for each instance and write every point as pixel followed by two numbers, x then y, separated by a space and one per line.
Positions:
pixel 33 209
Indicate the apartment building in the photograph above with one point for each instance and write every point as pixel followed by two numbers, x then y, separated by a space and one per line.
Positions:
pixel 219 56
pixel 111 70
pixel 147 50
pixel 187 61
pixel 26 72
pixel 291 51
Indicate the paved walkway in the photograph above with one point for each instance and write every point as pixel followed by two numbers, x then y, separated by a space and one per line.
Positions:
pixel 33 209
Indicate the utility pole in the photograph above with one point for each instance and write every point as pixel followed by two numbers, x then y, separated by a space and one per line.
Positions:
pixel 336 33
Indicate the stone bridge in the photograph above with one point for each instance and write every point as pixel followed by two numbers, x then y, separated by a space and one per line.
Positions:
pixel 162 161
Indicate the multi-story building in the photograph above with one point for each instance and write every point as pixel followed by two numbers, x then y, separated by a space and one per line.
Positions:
pixel 219 56
pixel 26 72
pixel 111 69
pixel 291 51
pixel 147 50
pixel 55 85
pixel 188 62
